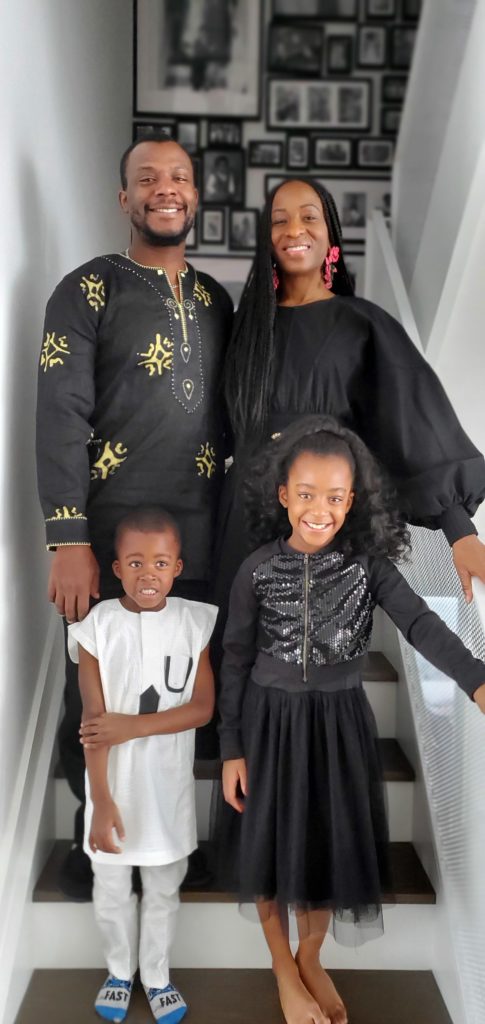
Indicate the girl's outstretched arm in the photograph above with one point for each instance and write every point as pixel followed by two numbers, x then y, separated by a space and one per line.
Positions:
pixel 106 816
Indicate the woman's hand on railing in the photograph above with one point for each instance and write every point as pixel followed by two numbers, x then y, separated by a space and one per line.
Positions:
pixel 469 559
pixel 479 698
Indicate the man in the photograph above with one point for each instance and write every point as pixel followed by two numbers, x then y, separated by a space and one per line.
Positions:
pixel 129 411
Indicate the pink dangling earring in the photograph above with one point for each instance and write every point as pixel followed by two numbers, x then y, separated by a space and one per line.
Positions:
pixel 276 279
pixel 329 266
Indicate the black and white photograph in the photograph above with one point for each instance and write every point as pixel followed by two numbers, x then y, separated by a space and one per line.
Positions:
pixel 188 135
pixel 191 240
pixel 223 176
pixel 411 9
pixel 335 105
pixel 142 128
pixel 371 46
pixel 331 9
pixel 295 48
pixel 380 9
pixel 328 152
pixel 265 153
pixel 243 225
pixel 224 133
pixel 213 225
pixel 375 153
pixel 298 152
pixel 353 210
pixel 393 88
pixel 401 48
pixel 390 120
pixel 355 263
pixel 199 57
pixel 339 52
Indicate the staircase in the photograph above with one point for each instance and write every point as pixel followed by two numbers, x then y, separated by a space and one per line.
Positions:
pixel 220 959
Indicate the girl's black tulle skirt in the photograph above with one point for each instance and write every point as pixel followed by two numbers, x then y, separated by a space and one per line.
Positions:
pixel 313 835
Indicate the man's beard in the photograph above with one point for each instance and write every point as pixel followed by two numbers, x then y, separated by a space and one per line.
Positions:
pixel 163 240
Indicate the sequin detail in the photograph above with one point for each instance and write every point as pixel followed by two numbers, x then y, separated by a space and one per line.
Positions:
pixel 339 608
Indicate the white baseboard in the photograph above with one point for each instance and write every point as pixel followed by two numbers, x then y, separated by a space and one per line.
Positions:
pixel 21 834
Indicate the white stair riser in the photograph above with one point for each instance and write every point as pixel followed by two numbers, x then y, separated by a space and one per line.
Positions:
pixel 217 935
pixel 399 803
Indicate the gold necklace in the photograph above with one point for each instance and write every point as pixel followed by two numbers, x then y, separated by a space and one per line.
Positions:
pixel 159 270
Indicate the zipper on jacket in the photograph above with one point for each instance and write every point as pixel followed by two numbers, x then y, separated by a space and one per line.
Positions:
pixel 180 304
pixel 306 615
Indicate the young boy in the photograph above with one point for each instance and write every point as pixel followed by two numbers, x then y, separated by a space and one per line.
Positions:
pixel 146 684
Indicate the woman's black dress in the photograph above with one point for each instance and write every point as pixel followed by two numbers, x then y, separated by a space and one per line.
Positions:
pixel 346 357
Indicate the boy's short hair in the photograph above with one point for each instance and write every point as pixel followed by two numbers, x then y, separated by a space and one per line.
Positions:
pixel 147 519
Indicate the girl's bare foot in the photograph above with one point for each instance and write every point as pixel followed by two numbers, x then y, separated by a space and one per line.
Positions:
pixel 296 1002
pixel 321 987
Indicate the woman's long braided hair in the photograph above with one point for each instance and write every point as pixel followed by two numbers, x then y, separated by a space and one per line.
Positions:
pixel 249 360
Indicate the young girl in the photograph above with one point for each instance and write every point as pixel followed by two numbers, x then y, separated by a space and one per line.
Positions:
pixel 146 684
pixel 298 737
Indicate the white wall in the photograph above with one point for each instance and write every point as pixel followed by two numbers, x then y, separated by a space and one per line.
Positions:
pixel 443 131
pixel 66 92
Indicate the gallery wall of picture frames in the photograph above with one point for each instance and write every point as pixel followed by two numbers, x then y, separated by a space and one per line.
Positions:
pixel 257 90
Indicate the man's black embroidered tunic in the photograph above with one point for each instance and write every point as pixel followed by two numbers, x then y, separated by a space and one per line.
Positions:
pixel 129 409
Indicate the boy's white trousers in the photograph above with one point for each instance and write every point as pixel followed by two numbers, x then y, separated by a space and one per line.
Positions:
pixel 130 939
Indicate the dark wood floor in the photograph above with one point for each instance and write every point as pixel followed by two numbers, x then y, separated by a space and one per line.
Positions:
pixel 239 997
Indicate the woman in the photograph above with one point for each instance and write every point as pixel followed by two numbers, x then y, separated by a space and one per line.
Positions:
pixel 303 343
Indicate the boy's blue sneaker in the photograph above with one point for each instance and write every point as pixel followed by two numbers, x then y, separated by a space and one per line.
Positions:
pixel 166 1004
pixel 113 999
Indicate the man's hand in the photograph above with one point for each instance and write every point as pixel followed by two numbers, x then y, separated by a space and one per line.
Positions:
pixel 106 817
pixel 73 579
pixel 109 729
pixel 469 559
pixel 234 775
pixel 479 698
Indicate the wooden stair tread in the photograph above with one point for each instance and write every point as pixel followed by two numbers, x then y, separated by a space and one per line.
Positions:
pixel 410 881
pixel 237 996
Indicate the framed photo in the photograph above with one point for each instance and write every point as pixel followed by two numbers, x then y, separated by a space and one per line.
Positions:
pixel 371 46
pixel 265 153
pixel 224 133
pixel 355 199
pixel 296 48
pixel 196 166
pixel 355 263
pixel 298 152
pixel 191 240
pixel 223 176
pixel 213 226
pixel 394 88
pixel 142 128
pixel 332 152
pixel 188 135
pixel 198 59
pixel 339 54
pixel 375 153
pixel 380 9
pixel 243 226
pixel 411 9
pixel 402 45
pixel 336 10
pixel 337 105
pixel 390 120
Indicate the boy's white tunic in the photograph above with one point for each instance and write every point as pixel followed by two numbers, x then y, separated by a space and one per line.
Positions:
pixel 148 660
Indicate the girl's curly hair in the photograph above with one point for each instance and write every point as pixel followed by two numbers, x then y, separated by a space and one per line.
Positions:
pixel 373 525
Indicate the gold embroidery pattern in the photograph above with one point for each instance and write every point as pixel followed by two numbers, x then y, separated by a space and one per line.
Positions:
pixel 109 461
pixel 93 289
pixel 53 351
pixel 66 513
pixel 159 356
pixel 202 294
pixel 205 460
